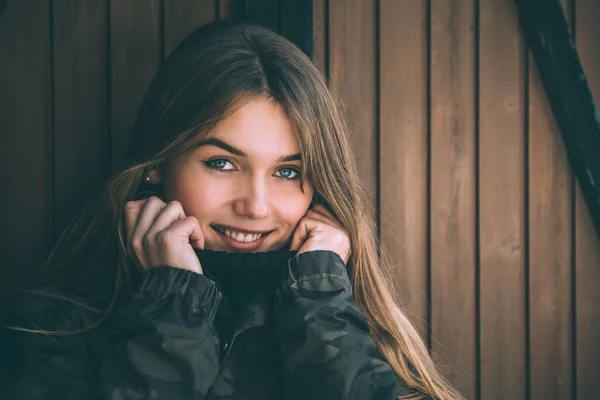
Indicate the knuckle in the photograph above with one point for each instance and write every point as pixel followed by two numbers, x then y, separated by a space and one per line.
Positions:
pixel 340 237
pixel 131 206
pixel 192 220
pixel 145 241
pixel 296 235
pixel 137 245
pixel 151 199
pixel 154 200
pixel 163 238
pixel 346 238
pixel 175 204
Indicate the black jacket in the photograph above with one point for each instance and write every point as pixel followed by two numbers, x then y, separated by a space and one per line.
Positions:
pixel 286 328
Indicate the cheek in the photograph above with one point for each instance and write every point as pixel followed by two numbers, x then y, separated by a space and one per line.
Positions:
pixel 291 207
pixel 199 196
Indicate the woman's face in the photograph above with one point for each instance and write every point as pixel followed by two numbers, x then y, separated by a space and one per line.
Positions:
pixel 243 182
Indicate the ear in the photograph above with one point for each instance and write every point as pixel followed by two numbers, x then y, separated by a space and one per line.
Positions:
pixel 154 176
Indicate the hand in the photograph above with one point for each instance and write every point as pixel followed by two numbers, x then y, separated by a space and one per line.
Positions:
pixel 159 234
pixel 319 229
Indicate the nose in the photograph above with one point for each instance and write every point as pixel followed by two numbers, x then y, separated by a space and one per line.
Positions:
pixel 253 200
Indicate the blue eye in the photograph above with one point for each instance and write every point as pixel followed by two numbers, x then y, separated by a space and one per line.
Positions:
pixel 289 173
pixel 218 164
pixel 223 165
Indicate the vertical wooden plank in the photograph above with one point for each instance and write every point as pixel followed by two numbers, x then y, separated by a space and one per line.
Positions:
pixel 550 250
pixel 81 118
pixel 352 57
pixel 226 8
pixel 320 34
pixel 587 297
pixel 403 147
pixel 26 138
pixel 135 45
pixel 265 13
pixel 453 312
pixel 182 17
pixel 501 202
pixel 296 23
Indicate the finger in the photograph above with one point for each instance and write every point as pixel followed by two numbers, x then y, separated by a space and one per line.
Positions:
pixel 329 219
pixel 303 231
pixel 184 230
pixel 146 217
pixel 173 246
pixel 300 235
pixel 326 219
pixel 320 209
pixel 321 218
pixel 169 214
pixel 132 211
pixel 144 221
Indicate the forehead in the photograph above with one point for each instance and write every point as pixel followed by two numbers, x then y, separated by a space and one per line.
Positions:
pixel 259 126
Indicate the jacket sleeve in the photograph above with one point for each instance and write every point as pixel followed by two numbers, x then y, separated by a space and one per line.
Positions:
pixel 327 352
pixel 165 347
pixel 39 366
pixel 167 339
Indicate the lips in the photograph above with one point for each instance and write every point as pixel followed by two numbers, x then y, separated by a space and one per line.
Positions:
pixel 241 239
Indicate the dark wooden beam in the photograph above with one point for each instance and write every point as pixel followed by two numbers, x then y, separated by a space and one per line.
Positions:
pixel 547 33
pixel 261 12
pixel 297 23
pixel 290 18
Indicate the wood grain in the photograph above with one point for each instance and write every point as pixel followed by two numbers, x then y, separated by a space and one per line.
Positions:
pixel 352 57
pixel 501 203
pixel 133 63
pixel 182 17
pixel 266 13
pixel 453 295
pixel 403 152
pixel 550 250
pixel 81 142
pixel 459 201
pixel 226 8
pixel 587 294
pixel 320 33
pixel 25 139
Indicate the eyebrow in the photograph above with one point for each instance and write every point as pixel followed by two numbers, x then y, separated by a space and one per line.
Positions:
pixel 227 147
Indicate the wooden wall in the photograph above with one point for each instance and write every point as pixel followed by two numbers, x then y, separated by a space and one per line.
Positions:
pixel 72 75
pixel 494 256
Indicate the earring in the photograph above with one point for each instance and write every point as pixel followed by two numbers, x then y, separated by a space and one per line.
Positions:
pixel 147 179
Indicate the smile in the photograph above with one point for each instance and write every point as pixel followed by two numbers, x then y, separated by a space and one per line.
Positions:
pixel 241 240
pixel 239 236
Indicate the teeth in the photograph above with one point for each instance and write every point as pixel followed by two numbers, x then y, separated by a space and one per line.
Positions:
pixel 240 237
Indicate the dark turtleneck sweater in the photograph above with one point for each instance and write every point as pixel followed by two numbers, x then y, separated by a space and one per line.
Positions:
pixel 237 274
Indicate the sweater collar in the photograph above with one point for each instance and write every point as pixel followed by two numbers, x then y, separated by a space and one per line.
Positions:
pixel 238 274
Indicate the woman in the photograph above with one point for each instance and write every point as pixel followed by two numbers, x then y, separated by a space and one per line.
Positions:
pixel 231 258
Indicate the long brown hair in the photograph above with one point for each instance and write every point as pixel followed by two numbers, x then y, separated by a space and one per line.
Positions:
pixel 211 73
